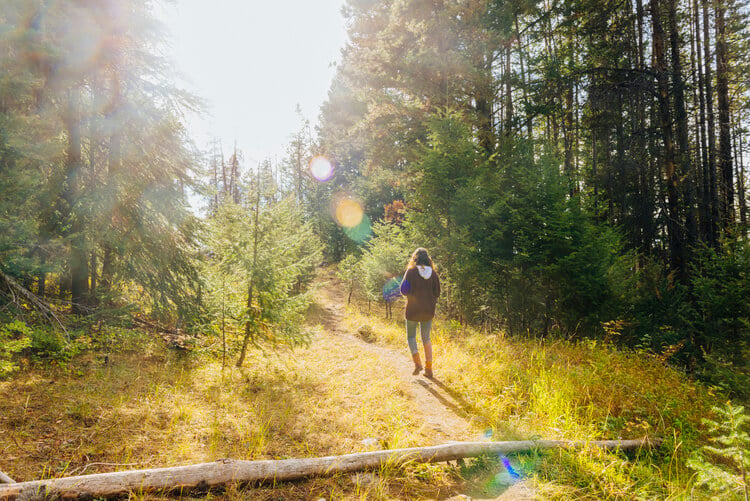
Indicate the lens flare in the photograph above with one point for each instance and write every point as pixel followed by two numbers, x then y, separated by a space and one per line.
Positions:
pixel 361 232
pixel 513 474
pixel 321 169
pixel 82 40
pixel 504 476
pixel 349 213
pixel 392 290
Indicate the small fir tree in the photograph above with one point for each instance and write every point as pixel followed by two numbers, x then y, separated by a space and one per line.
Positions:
pixel 727 475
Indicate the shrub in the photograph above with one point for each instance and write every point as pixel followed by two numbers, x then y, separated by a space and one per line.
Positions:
pixel 14 338
pixel 49 343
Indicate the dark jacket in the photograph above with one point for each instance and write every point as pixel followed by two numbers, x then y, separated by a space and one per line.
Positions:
pixel 421 295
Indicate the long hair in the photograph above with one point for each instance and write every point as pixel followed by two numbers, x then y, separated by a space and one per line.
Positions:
pixel 421 257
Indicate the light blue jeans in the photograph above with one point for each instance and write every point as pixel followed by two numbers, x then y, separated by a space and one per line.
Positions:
pixel 411 333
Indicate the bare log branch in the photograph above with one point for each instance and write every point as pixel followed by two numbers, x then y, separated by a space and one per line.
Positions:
pixel 38 303
pixel 227 471
pixel 5 479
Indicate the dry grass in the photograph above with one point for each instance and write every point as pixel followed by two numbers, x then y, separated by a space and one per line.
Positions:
pixel 155 408
pixel 152 407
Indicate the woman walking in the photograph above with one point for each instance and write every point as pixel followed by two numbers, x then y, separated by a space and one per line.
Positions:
pixel 421 286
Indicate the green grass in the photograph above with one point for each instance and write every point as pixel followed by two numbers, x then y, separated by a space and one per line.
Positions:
pixel 574 390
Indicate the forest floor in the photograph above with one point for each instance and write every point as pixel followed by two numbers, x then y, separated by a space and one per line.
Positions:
pixel 442 412
pixel 141 405
pixel 127 401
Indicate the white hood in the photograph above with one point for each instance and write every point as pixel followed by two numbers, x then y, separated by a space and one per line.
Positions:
pixel 424 271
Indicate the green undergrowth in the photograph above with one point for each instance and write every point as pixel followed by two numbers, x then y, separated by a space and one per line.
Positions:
pixel 573 390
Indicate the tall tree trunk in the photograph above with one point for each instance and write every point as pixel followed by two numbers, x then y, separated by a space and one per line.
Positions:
pixel 645 180
pixel 215 167
pixel 114 171
pixel 94 268
pixel 224 181
pixel 704 202
pixel 442 49
pixel 521 65
pixel 234 175
pixel 713 187
pixel 621 176
pixel 594 174
pixel 568 137
pixel 685 171
pixel 483 97
pixel 508 91
pixel 674 220
pixel 725 141
pixel 298 170
pixel 485 135
pixel 740 171
pixel 641 64
pixel 251 281
pixel 77 258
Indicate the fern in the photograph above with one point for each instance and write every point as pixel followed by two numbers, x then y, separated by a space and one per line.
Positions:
pixel 727 475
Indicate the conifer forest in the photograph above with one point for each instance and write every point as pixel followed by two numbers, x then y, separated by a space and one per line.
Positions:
pixel 578 170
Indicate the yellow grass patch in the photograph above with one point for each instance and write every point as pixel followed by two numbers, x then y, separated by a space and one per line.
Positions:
pixel 157 408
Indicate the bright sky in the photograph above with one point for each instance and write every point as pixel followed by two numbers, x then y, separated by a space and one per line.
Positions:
pixel 253 61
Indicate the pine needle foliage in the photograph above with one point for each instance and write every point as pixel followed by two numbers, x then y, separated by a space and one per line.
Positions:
pixel 723 467
pixel 260 262
pixel 384 259
pixel 94 160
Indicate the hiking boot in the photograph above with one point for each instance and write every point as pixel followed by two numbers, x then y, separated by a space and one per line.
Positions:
pixel 417 364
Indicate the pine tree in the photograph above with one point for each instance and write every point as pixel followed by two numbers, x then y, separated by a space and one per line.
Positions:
pixel 729 433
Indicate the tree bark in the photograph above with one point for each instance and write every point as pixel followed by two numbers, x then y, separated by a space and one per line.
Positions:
pixel 77 258
pixel 672 179
pixel 248 326
pixel 705 189
pixel 226 471
pixel 711 126
pixel 726 180
pixel 685 172
pixel 739 166
pixel 519 45
pixel 114 166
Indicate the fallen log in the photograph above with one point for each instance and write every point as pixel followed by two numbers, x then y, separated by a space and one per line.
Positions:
pixel 225 471
pixel 5 479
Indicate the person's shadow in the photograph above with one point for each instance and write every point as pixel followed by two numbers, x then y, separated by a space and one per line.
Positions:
pixel 485 476
pixel 451 399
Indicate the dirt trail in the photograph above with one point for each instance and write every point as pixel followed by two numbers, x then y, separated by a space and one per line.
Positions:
pixel 443 410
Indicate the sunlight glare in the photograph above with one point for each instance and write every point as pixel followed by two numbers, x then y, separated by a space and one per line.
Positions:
pixel 321 169
pixel 349 212
pixel 82 41
pixel 350 215
pixel 361 232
